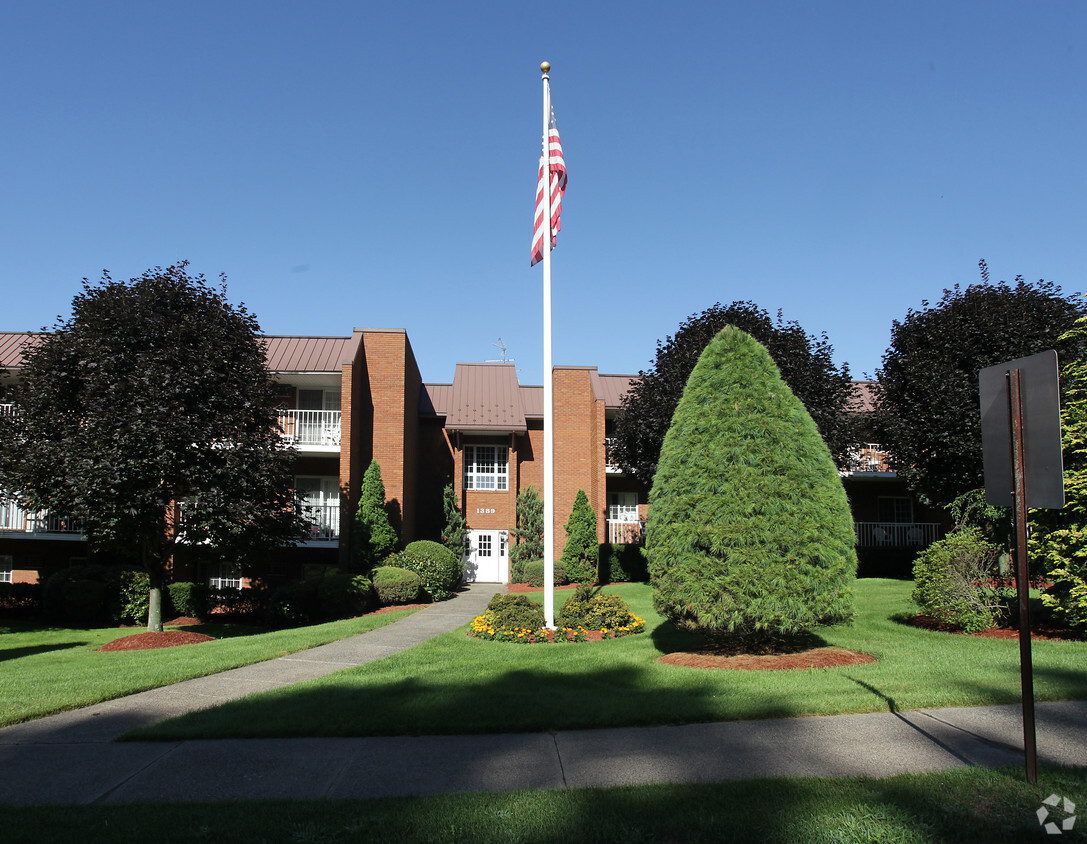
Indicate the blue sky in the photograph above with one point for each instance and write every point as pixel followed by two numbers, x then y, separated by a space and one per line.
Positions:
pixel 364 164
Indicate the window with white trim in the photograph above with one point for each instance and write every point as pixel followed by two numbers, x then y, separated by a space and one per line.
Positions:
pixel 622 507
pixel 225 576
pixel 486 467
pixel 7 564
pixel 484 549
pixel 897 509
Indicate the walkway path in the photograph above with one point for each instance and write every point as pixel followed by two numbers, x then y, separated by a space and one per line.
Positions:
pixel 72 758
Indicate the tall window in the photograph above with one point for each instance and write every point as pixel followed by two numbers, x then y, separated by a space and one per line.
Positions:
pixel 623 507
pixel 486 467
pixel 224 576
pixel 895 508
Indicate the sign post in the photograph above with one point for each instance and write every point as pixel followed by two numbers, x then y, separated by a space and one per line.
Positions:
pixel 1020 408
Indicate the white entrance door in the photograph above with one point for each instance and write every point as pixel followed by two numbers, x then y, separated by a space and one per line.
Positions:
pixel 487 557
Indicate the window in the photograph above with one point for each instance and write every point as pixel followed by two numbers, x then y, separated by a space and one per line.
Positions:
pixel 486 467
pixel 7 563
pixel 896 509
pixel 224 576
pixel 484 549
pixel 622 507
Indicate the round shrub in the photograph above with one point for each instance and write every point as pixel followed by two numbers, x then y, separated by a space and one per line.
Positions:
pixel 395 585
pixel 293 604
pixel 534 574
pixel 599 612
pixel 953 580
pixel 439 569
pixel 517 612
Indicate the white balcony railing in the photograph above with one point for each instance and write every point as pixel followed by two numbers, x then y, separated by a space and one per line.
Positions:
pixel 15 518
pixel 324 520
pixel 868 457
pixel 896 534
pixel 311 427
pixel 626 533
pixel 7 409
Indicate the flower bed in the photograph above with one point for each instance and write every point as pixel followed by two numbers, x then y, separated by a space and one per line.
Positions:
pixel 482 628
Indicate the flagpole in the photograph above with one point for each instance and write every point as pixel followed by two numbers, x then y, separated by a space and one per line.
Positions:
pixel 549 415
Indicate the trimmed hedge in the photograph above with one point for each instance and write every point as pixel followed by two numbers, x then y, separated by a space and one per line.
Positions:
pixel 534 574
pixel 622 564
pixel 189 600
pixel 395 585
pixel 20 600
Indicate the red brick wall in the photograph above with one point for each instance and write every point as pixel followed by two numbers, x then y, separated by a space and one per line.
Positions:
pixel 579 448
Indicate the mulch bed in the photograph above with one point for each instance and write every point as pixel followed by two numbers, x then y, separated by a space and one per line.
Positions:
pixel 1038 632
pixel 166 639
pixel 717 657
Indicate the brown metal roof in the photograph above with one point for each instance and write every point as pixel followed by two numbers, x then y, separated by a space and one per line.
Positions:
pixel 435 399
pixel 485 397
pixel 310 354
pixel 12 346
pixel 614 387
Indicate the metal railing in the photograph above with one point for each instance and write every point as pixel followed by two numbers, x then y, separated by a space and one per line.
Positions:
pixel 15 518
pixel 896 534
pixel 311 427
pixel 626 533
pixel 324 520
pixel 869 457
pixel 7 409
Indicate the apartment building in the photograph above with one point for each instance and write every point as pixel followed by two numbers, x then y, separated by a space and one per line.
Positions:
pixel 346 400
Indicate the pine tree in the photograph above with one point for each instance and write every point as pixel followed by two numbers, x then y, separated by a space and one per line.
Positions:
pixel 374 536
pixel 582 550
pixel 453 532
pixel 530 527
pixel 749 529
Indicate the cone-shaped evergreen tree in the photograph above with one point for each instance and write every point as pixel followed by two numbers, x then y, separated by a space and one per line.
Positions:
pixel 749 528
pixel 375 537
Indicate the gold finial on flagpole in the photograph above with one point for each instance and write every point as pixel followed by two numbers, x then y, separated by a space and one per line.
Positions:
pixel 545 67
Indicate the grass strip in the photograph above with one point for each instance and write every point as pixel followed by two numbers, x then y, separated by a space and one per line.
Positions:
pixel 457 684
pixel 48 670
pixel 967 804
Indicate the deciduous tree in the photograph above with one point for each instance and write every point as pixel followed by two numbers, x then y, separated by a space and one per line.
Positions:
pixel 805 362
pixel 927 397
pixel 154 393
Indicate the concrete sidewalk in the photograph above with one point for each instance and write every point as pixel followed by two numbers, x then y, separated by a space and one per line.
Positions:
pixel 72 759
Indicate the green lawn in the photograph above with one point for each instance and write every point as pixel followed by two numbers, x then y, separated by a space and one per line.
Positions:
pixel 965 805
pixel 47 670
pixel 456 684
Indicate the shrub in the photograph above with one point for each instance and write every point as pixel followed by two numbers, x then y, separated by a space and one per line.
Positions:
pixel 530 530
pixel 394 585
pixel 953 578
pixel 599 611
pixel 20 600
pixel 516 612
pixel 95 594
pixel 439 569
pixel 343 595
pixel 453 530
pixel 293 604
pixel 582 551
pixel 129 592
pixel 622 564
pixel 749 528
pixel 189 600
pixel 534 574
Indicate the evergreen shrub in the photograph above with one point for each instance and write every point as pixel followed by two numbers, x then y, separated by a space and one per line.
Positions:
pixel 373 537
pixel 95 594
pixel 439 569
pixel 293 604
pixel 394 585
pixel 189 600
pixel 534 574
pixel 529 532
pixel 343 595
pixel 622 564
pixel 599 611
pixel 749 529
pixel 954 580
pixel 581 553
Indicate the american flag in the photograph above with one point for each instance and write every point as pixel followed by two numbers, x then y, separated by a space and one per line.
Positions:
pixel 558 188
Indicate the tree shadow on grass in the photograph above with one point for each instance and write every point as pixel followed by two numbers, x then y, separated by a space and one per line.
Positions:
pixel 15 653
pixel 668 638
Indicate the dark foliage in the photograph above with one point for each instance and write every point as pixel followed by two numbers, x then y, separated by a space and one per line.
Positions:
pixel 927 396
pixel 622 564
pixel 20 600
pixel 454 522
pixel 154 392
pixel 189 600
pixel 805 361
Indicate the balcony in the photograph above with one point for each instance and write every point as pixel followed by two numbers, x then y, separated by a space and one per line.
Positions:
pixel 324 521
pixel 869 458
pixel 896 534
pixel 7 409
pixel 312 430
pixel 610 466
pixel 16 520
pixel 626 532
